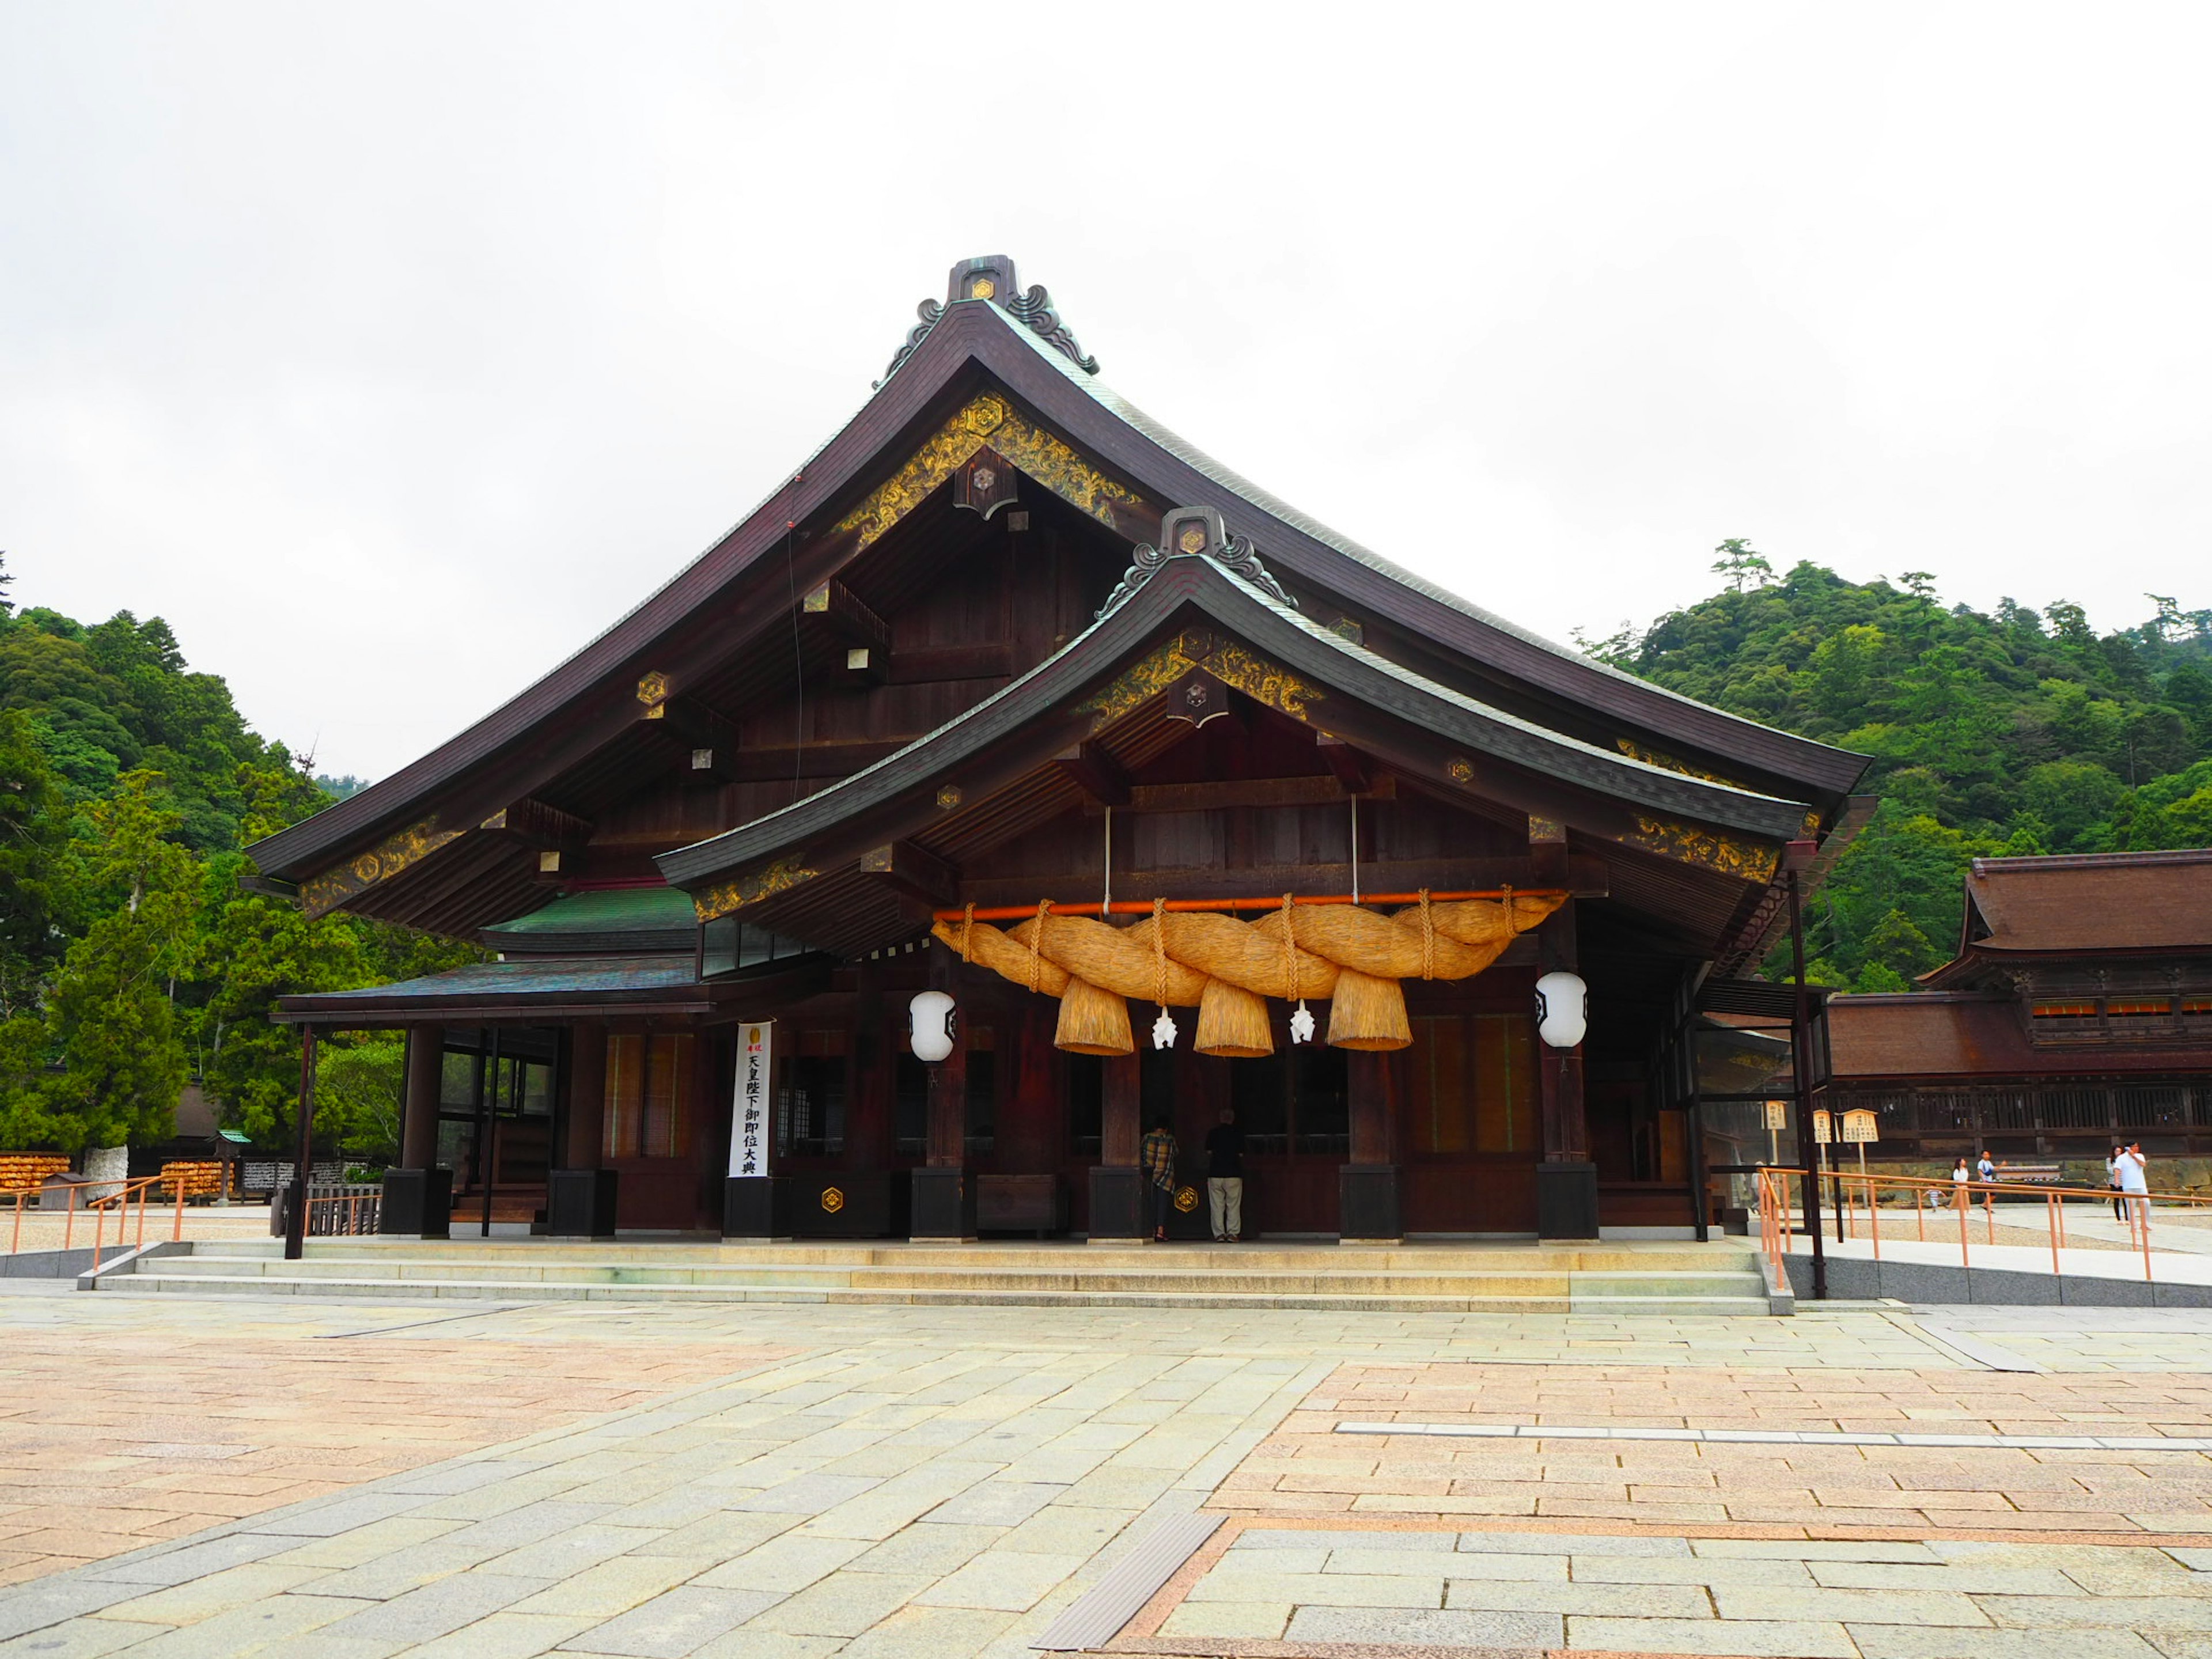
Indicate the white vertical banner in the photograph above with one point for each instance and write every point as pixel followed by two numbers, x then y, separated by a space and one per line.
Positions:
pixel 749 1110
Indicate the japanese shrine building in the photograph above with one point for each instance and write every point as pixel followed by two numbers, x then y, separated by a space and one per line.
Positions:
pixel 1012 694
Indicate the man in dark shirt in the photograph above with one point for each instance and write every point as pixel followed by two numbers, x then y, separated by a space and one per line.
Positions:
pixel 1224 1178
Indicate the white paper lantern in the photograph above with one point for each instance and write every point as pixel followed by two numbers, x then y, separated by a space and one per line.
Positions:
pixel 930 1024
pixel 1562 1010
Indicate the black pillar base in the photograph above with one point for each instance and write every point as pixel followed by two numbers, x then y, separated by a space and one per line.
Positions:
pixel 417 1204
pixel 1117 1202
pixel 580 1203
pixel 1367 1204
pixel 1566 1200
pixel 944 1204
pixel 755 1206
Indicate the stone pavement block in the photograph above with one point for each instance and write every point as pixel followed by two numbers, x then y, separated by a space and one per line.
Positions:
pixel 1002 1580
pixel 81 1638
pixel 996 1504
pixel 569 1553
pixel 509 1635
pixel 613 1587
pixel 2196 1560
pixel 929 1549
pixel 725 1534
pixel 671 1624
pixel 1694 1569
pixel 751 1642
pixel 1814 1549
pixel 1458 1628
pixel 353 1549
pixel 523 1524
pixel 1343 1589
pixel 174 1566
pixel 807 1494
pixel 1626 1601
pixel 1262 1621
pixel 1054 1530
pixel 37 1606
pixel 282 1624
pixel 434 1609
pixel 784 1564
pixel 845 1603
pixel 1738 1601
pixel 195 1599
pixel 1905 1642
pixel 2183 1613
pixel 1967 1578
pixel 922 1633
pixel 1749 1639
pixel 1570 1543
pixel 324 1520
pixel 409 1567
pixel 2131 1573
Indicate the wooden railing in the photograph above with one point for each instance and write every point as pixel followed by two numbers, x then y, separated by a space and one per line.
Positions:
pixel 1856 1202
pixel 125 1197
pixel 334 1210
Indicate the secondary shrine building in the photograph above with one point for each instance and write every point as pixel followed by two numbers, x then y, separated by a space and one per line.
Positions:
pixel 1011 694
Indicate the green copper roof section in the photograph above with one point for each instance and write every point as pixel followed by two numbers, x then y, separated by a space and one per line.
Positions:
pixel 613 910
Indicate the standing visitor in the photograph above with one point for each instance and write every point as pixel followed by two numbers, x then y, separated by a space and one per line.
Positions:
pixel 2113 1180
pixel 1986 1170
pixel 1960 1175
pixel 2134 1184
pixel 1224 1178
pixel 1158 1155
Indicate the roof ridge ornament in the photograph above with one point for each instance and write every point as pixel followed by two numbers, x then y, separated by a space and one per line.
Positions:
pixel 991 277
pixel 1195 533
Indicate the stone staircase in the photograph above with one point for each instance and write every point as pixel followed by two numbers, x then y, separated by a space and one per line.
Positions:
pixel 1719 1277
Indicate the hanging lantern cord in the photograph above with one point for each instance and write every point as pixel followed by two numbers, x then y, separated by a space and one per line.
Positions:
pixel 1428 938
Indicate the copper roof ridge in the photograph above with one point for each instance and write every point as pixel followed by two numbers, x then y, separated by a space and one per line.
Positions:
pixel 2025 862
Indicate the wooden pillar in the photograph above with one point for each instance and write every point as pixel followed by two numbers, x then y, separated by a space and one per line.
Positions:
pixel 588 1095
pixel 1371 1080
pixel 942 1206
pixel 868 1100
pixel 418 1132
pixel 1566 1180
pixel 1566 1118
pixel 1367 1182
pixel 1120 1125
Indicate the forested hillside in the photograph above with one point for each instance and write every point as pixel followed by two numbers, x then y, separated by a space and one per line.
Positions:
pixel 2021 731
pixel 131 961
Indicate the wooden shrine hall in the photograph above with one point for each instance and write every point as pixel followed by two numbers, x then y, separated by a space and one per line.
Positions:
pixel 1186 803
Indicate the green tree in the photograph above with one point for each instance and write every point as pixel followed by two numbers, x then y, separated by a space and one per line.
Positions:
pixel 360 1088
pixel 110 1017
pixel 1741 564
pixel 33 831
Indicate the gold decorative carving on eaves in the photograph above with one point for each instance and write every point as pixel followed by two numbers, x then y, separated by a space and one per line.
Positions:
pixel 323 894
pixel 1711 849
pixel 1233 664
pixel 987 418
pixel 725 897
pixel 1667 762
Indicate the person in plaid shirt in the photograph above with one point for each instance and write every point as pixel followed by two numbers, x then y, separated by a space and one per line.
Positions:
pixel 1158 1155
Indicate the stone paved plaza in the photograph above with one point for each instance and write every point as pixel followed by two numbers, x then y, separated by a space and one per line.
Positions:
pixel 231 1476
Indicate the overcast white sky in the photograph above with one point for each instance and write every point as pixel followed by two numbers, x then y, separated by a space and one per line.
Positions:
pixel 391 351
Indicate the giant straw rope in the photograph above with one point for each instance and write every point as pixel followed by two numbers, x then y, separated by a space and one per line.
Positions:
pixel 1225 967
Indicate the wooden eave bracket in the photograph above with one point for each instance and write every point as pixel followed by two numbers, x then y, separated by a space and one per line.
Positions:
pixel 1095 772
pixel 1351 768
pixel 915 874
pixel 708 737
pixel 835 607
